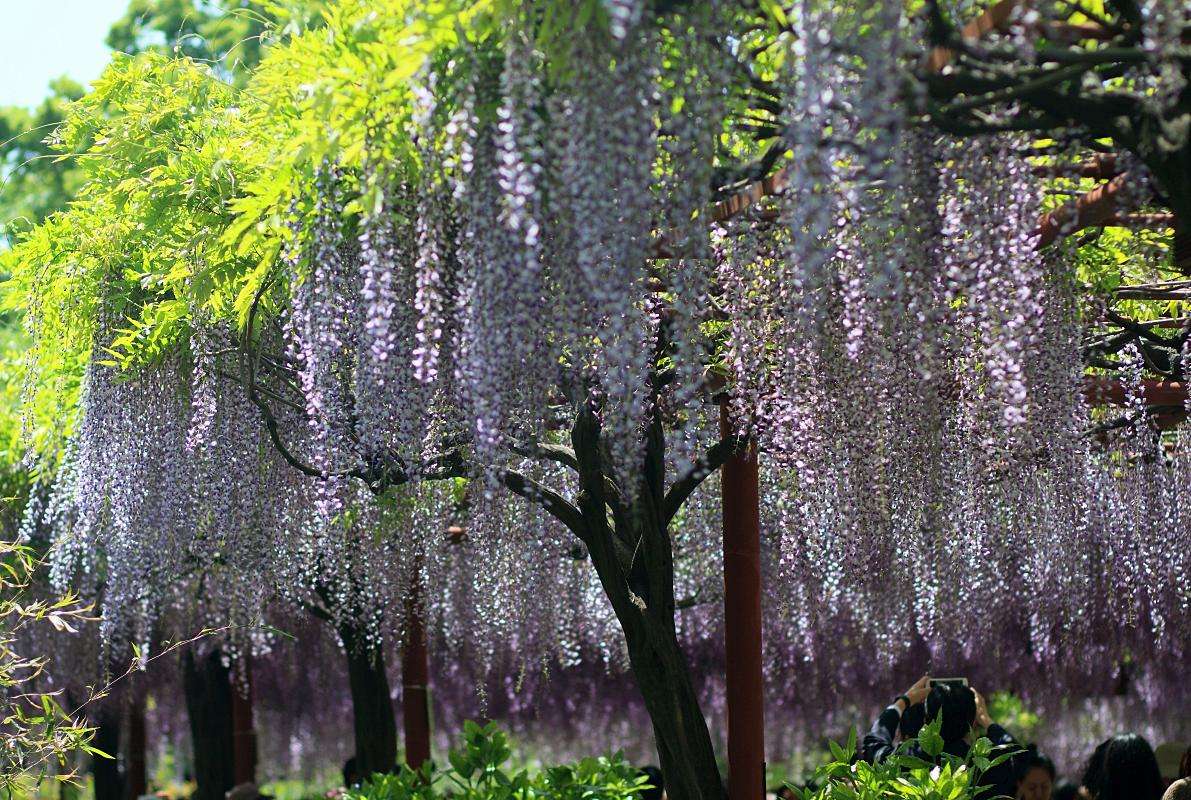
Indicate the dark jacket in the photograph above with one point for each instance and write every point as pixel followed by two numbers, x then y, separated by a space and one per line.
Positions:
pixel 878 745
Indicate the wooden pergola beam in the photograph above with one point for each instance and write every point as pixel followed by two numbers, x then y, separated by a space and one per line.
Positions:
pixel 998 17
pixel 1101 167
pixel 994 18
pixel 1165 290
pixel 754 193
pixel 1097 207
pixel 1100 390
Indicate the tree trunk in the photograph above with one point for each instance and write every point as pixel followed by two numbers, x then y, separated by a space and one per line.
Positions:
pixel 135 778
pixel 106 771
pixel 243 728
pixel 679 728
pixel 208 688
pixel 1182 243
pixel 634 559
pixel 372 704
pixel 1171 171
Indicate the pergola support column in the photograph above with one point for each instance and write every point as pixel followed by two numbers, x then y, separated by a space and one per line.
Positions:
pixel 415 676
pixel 243 727
pixel 742 619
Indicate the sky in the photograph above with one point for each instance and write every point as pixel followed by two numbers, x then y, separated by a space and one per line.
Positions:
pixel 42 39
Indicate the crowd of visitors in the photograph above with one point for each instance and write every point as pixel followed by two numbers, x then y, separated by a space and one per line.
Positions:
pixel 1123 767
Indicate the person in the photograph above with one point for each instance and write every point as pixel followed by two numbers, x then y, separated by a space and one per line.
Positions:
pixel 1185 763
pixel 1179 790
pixel 877 744
pixel 1035 776
pixel 351 773
pixel 913 718
pixel 656 786
pixel 960 710
pixel 1123 768
pixel 1065 790
pixel 1094 768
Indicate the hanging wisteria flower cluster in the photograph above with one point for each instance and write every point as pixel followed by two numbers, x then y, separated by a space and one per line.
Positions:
pixel 887 331
pixel 174 510
pixel 910 363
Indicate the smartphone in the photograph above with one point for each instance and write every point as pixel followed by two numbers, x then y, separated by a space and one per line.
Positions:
pixel 948 682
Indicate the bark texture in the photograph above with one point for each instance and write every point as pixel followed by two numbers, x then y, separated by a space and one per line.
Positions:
pixel 628 541
pixel 208 688
pixel 372 704
pixel 105 772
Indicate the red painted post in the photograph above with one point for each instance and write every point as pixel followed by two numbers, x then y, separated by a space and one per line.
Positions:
pixel 742 620
pixel 243 728
pixel 415 675
pixel 1099 390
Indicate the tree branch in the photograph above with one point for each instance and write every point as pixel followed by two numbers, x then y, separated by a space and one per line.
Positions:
pixel 558 453
pixel 1021 90
pixel 1135 328
pixel 248 364
pixel 712 460
pixel 316 611
pixel 553 502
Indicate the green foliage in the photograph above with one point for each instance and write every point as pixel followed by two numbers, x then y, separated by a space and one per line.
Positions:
pixel 14 479
pixel 33 182
pixel 37 735
pixel 1013 714
pixel 155 188
pixel 190 181
pixel 478 771
pixel 229 35
pixel 902 775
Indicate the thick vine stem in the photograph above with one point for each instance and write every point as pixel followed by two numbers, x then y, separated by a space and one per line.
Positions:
pixel 711 461
pixel 555 504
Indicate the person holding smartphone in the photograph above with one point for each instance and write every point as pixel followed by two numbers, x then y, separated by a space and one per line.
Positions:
pixel 963 713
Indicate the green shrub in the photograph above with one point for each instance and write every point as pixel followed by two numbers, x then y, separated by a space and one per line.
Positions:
pixel 901 775
pixel 478 771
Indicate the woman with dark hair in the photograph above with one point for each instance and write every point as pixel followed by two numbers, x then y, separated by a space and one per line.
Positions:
pixel 1035 775
pixel 655 786
pixel 960 711
pixel 1124 768
pixel 912 721
pixel 1095 768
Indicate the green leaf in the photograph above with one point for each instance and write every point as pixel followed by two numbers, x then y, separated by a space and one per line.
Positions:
pixel 930 739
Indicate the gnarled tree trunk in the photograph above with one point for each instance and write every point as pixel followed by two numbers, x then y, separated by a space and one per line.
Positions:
pixel 679 728
pixel 135 775
pixel 634 559
pixel 208 687
pixel 372 704
pixel 106 771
